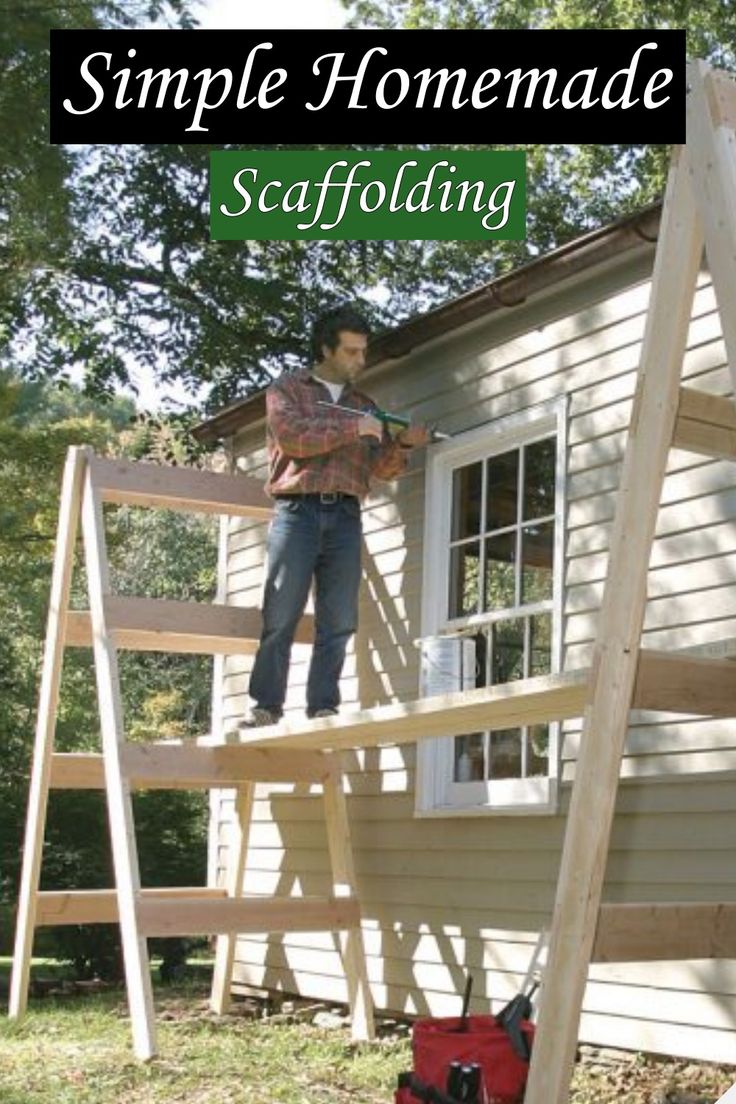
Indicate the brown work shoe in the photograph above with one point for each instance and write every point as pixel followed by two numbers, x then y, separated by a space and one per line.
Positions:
pixel 259 717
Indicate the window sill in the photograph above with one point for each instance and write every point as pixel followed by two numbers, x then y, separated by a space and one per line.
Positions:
pixel 510 797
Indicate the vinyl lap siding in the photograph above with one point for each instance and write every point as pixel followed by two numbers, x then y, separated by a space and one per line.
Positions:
pixel 440 896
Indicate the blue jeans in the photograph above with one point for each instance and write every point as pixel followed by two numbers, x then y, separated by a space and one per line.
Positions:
pixel 308 540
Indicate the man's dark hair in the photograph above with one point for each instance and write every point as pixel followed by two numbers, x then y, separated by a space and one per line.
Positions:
pixel 328 327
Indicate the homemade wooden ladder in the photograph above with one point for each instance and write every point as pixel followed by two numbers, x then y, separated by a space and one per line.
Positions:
pixel 114 622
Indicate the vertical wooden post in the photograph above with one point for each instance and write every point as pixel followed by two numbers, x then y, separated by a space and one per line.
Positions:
pixel 711 162
pixel 343 876
pixel 53 656
pixel 236 855
pixel 219 667
pixel 119 806
pixel 616 652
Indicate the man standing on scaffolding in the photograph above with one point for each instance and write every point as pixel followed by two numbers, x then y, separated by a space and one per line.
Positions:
pixel 321 463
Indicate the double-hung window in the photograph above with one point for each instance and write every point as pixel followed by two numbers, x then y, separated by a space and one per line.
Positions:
pixel 493 574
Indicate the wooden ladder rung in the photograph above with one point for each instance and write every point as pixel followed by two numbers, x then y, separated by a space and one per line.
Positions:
pixel 132 483
pixel 186 766
pixel 673 682
pixel 526 702
pixel 162 625
pixel 705 424
pixel 100 906
pixel 77 770
pixel 663 932
pixel 196 916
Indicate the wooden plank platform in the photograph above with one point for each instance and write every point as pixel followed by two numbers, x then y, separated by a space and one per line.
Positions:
pixel 162 625
pixel 526 702
pixel 100 906
pixel 292 751
pixel 663 932
pixel 705 424
pixel 669 682
pixel 132 483
pixel 676 683
pixel 195 916
pixel 185 766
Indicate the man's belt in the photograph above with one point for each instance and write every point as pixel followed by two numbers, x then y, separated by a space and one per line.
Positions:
pixel 325 498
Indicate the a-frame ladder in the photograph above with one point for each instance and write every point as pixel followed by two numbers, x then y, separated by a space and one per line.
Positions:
pixel 699 209
pixel 113 622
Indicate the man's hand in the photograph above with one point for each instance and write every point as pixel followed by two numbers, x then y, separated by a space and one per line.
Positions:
pixel 368 426
pixel 415 436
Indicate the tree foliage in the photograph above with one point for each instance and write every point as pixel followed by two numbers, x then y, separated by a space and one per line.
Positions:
pixel 710 25
pixel 110 263
pixel 157 553
pixel 39 203
pixel 574 188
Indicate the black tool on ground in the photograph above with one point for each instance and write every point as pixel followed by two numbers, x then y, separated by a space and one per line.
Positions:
pixel 463 1085
pixel 455 1079
pixel 510 1018
pixel 385 418
pixel 427 1093
pixel 469 1084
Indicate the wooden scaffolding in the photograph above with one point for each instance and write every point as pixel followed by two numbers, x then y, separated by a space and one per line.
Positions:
pixel 113 622
pixel 699 209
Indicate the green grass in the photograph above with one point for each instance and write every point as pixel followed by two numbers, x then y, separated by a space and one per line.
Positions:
pixel 77 1050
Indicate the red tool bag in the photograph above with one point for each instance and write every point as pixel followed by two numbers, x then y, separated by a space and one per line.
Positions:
pixel 438 1045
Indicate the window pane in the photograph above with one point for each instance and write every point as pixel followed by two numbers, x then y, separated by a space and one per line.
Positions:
pixel 537 753
pixel 539 479
pixel 540 651
pixel 503 482
pixel 469 758
pixel 500 571
pixel 505 753
pixel 464 571
pixel 507 660
pixel 537 554
pixel 466 501
pixel 482 645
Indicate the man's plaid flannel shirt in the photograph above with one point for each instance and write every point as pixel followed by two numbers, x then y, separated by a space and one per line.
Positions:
pixel 312 448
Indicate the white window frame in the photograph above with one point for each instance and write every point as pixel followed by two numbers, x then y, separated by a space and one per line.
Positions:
pixel 436 792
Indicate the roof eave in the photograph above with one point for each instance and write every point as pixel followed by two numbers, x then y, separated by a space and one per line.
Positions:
pixel 511 290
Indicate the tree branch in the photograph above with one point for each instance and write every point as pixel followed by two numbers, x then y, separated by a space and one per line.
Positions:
pixel 106 274
pixel 27 538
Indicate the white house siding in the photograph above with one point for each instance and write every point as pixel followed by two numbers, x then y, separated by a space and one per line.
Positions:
pixel 443 895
